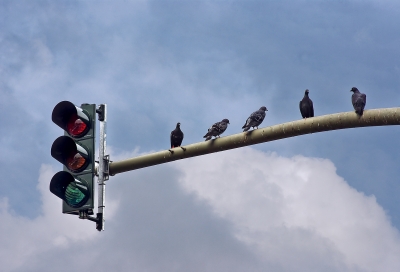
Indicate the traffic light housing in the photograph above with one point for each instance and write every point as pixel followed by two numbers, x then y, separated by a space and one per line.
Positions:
pixel 76 151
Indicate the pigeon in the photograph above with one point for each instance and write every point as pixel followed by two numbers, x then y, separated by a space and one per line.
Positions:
pixel 176 138
pixel 217 129
pixel 359 100
pixel 306 106
pixel 255 119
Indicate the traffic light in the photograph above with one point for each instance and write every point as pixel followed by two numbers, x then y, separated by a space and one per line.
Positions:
pixel 75 150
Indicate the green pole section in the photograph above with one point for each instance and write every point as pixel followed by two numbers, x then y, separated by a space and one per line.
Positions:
pixel 375 117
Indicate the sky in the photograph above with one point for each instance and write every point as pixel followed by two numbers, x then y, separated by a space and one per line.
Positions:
pixel 320 202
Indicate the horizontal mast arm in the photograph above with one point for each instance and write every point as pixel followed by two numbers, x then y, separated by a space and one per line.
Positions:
pixel 374 117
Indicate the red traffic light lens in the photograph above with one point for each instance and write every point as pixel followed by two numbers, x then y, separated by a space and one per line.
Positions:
pixel 75 162
pixel 75 126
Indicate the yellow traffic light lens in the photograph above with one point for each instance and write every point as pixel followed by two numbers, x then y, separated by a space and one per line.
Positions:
pixel 75 162
pixel 76 126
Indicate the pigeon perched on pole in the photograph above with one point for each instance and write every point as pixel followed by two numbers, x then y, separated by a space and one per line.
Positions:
pixel 306 106
pixel 216 129
pixel 176 137
pixel 359 100
pixel 255 119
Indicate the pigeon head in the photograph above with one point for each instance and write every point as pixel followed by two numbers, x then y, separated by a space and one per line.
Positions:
pixel 354 90
pixel 306 92
pixel 225 121
pixel 178 125
pixel 263 108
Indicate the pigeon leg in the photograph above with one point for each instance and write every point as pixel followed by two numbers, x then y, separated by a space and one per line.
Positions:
pixel 184 149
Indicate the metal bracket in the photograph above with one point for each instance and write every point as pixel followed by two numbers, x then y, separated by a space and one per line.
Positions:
pixel 106 170
pixel 101 112
pixel 99 219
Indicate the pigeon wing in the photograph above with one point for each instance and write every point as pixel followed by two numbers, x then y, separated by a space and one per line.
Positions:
pixel 364 98
pixel 359 101
pixel 171 137
pixel 258 116
pixel 311 107
pixel 302 110
pixel 247 124
pixel 212 130
pixel 222 126
pixel 354 100
pixel 219 128
pixel 207 134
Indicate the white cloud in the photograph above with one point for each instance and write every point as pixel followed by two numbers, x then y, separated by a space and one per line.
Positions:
pixel 284 214
pixel 23 239
pixel 295 211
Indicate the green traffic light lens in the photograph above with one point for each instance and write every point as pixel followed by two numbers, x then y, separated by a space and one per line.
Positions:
pixel 75 191
pixel 75 195
pixel 75 126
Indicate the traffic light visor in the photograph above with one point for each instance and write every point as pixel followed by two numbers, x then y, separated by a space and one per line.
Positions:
pixel 72 190
pixel 74 156
pixel 74 120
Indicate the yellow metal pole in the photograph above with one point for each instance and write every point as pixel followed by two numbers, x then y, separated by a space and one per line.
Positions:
pixel 374 117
